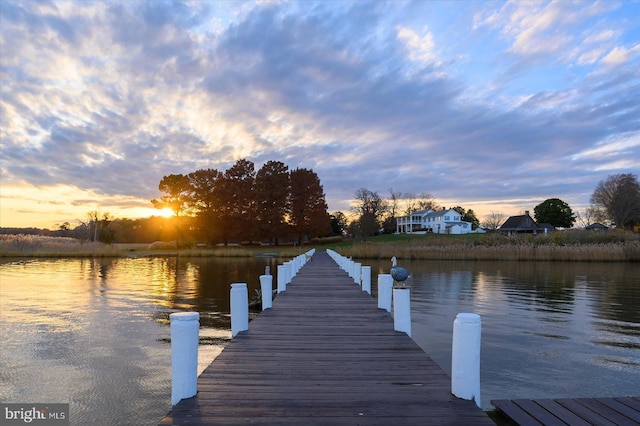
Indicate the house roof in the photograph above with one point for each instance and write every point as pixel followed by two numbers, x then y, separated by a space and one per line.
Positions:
pixel 439 213
pixel 596 225
pixel 520 223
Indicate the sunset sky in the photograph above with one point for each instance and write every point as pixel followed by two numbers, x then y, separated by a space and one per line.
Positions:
pixel 493 106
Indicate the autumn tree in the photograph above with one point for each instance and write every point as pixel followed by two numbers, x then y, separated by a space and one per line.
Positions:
pixel 271 190
pixel 238 201
pixel 241 204
pixel 554 211
pixel 205 201
pixel 618 199
pixel 308 215
pixel 177 189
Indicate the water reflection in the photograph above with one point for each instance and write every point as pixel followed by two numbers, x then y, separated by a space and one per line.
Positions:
pixel 94 332
pixel 549 329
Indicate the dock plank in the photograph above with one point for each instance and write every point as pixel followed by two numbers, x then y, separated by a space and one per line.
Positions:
pixel 324 354
pixel 621 408
pixel 565 415
pixel 574 412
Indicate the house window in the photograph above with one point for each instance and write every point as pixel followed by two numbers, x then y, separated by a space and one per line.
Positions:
pixel 446 218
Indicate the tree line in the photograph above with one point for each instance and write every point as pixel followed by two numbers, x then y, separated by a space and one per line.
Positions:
pixel 242 204
pixel 614 202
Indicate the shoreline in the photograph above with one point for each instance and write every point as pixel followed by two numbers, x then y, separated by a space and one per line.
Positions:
pixel 571 246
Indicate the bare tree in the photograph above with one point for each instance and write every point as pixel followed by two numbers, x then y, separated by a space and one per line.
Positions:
pixel 493 220
pixel 587 216
pixel 619 197
pixel 422 201
pixel 389 222
pixel 370 209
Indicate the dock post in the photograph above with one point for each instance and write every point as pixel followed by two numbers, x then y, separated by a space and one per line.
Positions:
pixel 266 288
pixel 282 278
pixel 385 284
pixel 185 327
pixel 402 309
pixel 357 272
pixel 465 357
pixel 239 308
pixel 288 272
pixel 366 279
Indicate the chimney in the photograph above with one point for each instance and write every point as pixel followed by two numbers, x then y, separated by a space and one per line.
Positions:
pixel 526 212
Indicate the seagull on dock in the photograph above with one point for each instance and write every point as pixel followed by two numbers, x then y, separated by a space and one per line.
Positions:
pixel 398 273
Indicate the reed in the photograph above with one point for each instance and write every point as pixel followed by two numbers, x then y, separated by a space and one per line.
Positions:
pixel 567 246
pixel 570 247
pixel 39 246
pixel 42 246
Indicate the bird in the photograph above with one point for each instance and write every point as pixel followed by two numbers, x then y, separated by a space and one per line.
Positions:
pixel 398 273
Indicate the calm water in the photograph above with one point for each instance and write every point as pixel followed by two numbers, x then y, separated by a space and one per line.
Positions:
pixel 95 333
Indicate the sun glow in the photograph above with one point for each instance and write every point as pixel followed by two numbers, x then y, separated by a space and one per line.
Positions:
pixel 165 212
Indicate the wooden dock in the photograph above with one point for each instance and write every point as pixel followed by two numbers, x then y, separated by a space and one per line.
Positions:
pixel 324 354
pixel 574 412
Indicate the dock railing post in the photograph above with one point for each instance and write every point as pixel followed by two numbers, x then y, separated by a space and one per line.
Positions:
pixel 282 278
pixel 288 272
pixel 385 284
pixel 465 357
pixel 239 308
pixel 185 327
pixel 266 289
pixel 402 309
pixel 366 279
pixel 357 272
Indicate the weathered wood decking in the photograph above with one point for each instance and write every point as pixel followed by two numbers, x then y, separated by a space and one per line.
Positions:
pixel 324 354
pixel 575 412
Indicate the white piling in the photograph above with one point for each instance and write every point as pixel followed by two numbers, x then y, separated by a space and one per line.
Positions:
pixel 357 272
pixel 366 279
pixel 266 288
pixel 239 308
pixel 385 284
pixel 402 309
pixel 282 278
pixel 465 357
pixel 185 327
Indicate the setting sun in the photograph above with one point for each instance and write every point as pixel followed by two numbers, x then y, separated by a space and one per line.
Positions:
pixel 164 212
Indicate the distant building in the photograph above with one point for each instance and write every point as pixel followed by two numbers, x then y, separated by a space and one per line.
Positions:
pixel 596 227
pixel 524 224
pixel 439 222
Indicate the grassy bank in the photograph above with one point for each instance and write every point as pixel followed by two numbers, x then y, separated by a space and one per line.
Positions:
pixel 38 246
pixel 578 246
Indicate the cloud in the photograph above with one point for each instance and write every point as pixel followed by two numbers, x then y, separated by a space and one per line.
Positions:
pixel 420 47
pixel 109 97
pixel 621 55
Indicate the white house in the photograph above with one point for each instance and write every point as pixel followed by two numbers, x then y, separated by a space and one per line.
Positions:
pixel 439 222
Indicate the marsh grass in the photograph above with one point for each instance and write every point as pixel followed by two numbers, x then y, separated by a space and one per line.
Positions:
pixel 36 245
pixel 567 246
pixel 42 246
